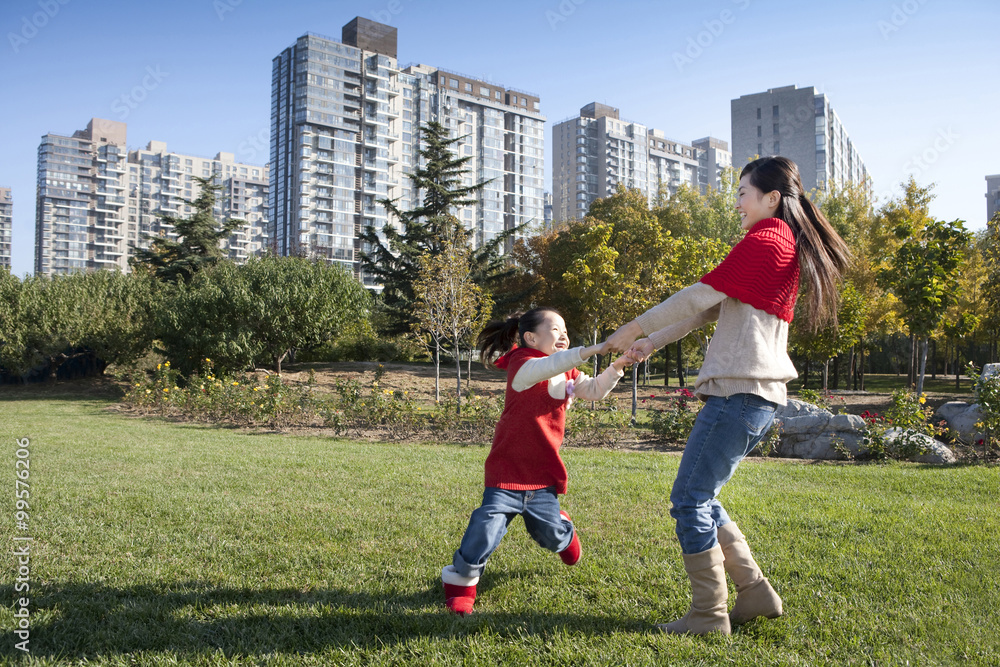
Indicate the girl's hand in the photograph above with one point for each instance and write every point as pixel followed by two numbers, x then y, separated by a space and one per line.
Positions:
pixel 621 362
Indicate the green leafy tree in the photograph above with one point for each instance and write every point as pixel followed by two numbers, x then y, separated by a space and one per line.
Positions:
pixel 924 276
pixel 831 341
pixel 197 246
pixel 259 312
pixel 102 317
pixel 449 306
pixel 988 246
pixel 690 213
pixel 395 261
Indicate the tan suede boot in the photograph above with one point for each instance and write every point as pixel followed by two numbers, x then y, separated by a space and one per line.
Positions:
pixel 754 594
pixel 708 595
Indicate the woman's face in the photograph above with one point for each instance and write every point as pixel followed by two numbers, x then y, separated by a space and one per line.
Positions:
pixel 754 205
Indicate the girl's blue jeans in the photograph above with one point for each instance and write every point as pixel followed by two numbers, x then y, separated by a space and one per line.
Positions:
pixel 488 524
pixel 725 431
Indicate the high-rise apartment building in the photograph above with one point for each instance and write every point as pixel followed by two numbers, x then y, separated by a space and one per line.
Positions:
pixel 158 181
pixel 345 125
pixel 800 124
pixel 597 151
pixel 97 201
pixel 81 200
pixel 6 226
pixel 992 195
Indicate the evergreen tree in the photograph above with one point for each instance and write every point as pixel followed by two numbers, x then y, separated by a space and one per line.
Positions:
pixel 197 246
pixel 424 230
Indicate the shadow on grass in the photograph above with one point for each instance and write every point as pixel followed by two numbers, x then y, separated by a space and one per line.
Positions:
pixel 85 621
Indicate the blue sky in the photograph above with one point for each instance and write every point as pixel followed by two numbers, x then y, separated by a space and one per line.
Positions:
pixel 913 81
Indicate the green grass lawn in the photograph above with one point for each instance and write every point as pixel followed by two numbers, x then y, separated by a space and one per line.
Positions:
pixel 165 543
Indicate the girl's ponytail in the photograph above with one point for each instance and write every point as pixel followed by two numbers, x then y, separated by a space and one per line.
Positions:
pixel 497 338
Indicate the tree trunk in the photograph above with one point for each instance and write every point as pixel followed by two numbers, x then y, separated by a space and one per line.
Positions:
pixel 826 374
pixel 923 364
pixel 635 391
pixel 437 371
pixel 911 374
pixel 861 365
pixel 836 372
pixel 666 366
pixel 853 382
pixel 680 366
pixel 458 379
pixel 805 374
pixel 468 374
pixel 958 370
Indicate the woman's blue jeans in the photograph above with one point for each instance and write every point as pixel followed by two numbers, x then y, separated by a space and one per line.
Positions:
pixel 725 431
pixel 488 524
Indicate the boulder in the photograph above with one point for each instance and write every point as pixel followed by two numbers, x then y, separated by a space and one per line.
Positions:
pixel 961 418
pixel 810 432
pixel 935 451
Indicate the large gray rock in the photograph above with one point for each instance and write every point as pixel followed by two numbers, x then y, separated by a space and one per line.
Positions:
pixel 810 432
pixel 961 418
pixel 934 451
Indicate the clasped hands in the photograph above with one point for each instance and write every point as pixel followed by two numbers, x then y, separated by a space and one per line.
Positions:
pixel 625 339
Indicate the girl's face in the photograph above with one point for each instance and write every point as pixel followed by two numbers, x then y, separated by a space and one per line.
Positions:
pixel 754 205
pixel 550 335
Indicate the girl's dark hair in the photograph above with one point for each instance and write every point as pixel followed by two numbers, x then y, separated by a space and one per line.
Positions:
pixel 499 336
pixel 823 255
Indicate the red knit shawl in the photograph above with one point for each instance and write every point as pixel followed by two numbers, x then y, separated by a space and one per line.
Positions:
pixel 762 270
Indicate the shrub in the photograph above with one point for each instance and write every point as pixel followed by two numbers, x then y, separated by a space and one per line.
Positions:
pixel 674 422
pixel 987 395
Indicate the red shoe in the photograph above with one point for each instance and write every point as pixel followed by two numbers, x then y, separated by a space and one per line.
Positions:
pixel 459 591
pixel 459 599
pixel 571 554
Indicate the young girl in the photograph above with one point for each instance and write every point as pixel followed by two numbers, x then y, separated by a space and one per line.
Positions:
pixel 752 296
pixel 524 473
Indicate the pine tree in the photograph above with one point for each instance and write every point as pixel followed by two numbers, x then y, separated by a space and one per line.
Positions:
pixel 197 246
pixel 424 230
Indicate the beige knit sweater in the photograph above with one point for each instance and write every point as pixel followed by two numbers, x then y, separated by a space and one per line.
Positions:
pixel 748 353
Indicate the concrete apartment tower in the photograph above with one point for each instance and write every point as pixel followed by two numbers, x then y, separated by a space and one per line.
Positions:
pixel 800 124
pixel 345 133
pixel 97 201
pixel 6 226
pixel 159 180
pixel 596 151
pixel 81 200
pixel 992 195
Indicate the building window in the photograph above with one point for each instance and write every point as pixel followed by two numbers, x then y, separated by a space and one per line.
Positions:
pixel 499 95
pixel 468 87
pixel 775 128
pixel 484 91
pixel 758 130
pixel 774 111
pixel 758 113
pixel 777 149
pixel 454 84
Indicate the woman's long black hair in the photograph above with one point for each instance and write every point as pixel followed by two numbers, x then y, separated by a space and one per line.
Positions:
pixel 823 255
